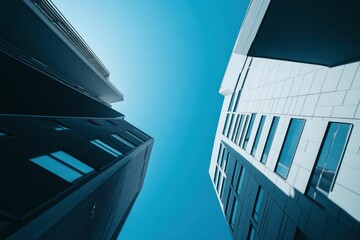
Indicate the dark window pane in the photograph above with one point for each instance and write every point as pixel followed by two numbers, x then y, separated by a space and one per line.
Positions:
pixel 234 173
pixel 258 135
pixel 231 101
pixel 258 202
pixel 249 129
pixel 288 149
pixel 233 213
pixel 251 235
pixel 241 180
pixel 270 139
pixel 230 125
pixel 236 126
pixel 328 161
pixel 237 136
pixel 244 129
pixel 226 123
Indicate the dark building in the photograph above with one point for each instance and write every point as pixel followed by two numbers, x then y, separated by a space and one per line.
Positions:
pixel 71 167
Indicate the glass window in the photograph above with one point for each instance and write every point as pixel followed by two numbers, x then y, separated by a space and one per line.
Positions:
pixel 328 161
pixel 100 144
pixel 221 153
pixel 249 129
pixel 236 126
pixel 258 202
pixel 225 159
pixel 237 136
pixel 258 135
pixel 234 173
pixel 222 189
pixel 72 161
pixel 134 136
pixel 215 175
pixel 227 204
pixel 230 126
pixel 269 139
pixel 231 101
pixel 127 143
pixel 219 182
pixel 241 180
pixel 233 213
pixel 57 168
pixel 251 235
pixel 243 129
pixel 237 100
pixel 288 149
pixel 57 125
pixel 226 123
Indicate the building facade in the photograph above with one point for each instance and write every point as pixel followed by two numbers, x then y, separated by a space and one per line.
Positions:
pixel 285 162
pixel 71 166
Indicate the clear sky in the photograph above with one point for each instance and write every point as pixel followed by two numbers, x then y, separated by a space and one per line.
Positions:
pixel 168 59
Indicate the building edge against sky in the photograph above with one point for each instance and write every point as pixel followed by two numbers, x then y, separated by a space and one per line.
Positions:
pixel 71 167
pixel 285 162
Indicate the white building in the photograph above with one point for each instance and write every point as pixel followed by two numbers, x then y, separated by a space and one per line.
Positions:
pixel 286 157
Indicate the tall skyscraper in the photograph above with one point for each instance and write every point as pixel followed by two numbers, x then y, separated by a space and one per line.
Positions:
pixel 71 167
pixel 285 162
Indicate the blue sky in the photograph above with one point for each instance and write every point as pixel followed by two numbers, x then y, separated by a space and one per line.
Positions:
pixel 168 59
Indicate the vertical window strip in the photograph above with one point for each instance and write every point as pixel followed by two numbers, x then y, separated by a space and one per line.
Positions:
pixel 258 203
pixel 233 213
pixel 230 125
pixel 231 101
pixel 215 175
pixel 241 180
pixel 220 155
pixel 119 138
pixel 248 132
pixel 100 144
pixel 237 101
pixel 219 182
pixel 57 168
pixel 251 235
pixel 236 126
pixel 222 188
pixel 234 173
pixel 289 147
pixel 227 204
pixel 226 123
pixel 258 135
pixel 237 136
pixel 244 129
pixel 269 140
pixel 328 161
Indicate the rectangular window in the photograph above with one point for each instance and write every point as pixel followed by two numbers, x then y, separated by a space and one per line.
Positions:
pixel 220 178
pixel 251 235
pixel 72 161
pixel 235 127
pixel 244 129
pixel 328 161
pixel 57 125
pixel 289 147
pixel 248 132
pixel 231 101
pixel 215 175
pixel 134 136
pixel 224 160
pixel 241 180
pixel 233 213
pixel 222 189
pixel 237 136
pixel 221 153
pixel 258 135
pixel 269 139
pixel 226 124
pixel 127 143
pixel 230 126
pixel 237 101
pixel 100 144
pixel 258 202
pixel 234 173
pixel 57 168
pixel 227 204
